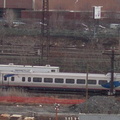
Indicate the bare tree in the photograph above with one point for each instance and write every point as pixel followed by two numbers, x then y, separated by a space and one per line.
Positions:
pixel 9 16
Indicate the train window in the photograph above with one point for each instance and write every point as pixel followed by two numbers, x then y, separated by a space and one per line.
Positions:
pixel 80 81
pixel 36 79
pixel 12 78
pixel 49 80
pixel 23 79
pixel 101 82
pixel 59 80
pixel 29 79
pixel 91 81
pixel 69 80
pixel 5 78
pixel 52 70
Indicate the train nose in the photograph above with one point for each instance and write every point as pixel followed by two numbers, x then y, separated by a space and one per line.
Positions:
pixel 108 85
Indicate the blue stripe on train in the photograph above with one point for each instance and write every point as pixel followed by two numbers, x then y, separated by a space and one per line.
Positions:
pixel 108 85
pixel 9 75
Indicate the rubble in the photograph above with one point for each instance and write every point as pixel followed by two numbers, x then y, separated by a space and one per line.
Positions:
pixel 98 104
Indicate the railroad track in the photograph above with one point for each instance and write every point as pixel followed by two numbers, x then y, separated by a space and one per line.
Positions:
pixel 58 94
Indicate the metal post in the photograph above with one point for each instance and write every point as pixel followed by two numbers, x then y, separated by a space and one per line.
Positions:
pixel 86 107
pixel 87 84
pixel 56 110
pixel 45 18
pixel 56 116
pixel 112 54
pixel 112 73
pixel 45 25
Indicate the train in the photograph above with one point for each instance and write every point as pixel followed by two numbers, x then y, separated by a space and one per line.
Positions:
pixel 60 81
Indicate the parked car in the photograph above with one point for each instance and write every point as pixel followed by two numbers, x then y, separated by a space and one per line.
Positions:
pixel 18 23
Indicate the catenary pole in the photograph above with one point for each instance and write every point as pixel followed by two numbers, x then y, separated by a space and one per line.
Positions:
pixel 112 54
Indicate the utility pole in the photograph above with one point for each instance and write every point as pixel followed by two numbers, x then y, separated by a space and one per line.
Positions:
pixel 45 25
pixel 86 107
pixel 45 18
pixel 112 56
pixel 112 72
pixel 87 82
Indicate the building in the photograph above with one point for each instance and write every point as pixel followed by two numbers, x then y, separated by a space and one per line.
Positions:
pixel 28 9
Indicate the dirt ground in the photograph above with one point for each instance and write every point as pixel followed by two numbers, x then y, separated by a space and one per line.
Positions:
pixel 21 103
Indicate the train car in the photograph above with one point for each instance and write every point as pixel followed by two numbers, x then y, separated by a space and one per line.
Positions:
pixel 95 83
pixel 26 68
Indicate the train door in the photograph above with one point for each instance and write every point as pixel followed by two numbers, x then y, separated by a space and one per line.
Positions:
pixel 5 80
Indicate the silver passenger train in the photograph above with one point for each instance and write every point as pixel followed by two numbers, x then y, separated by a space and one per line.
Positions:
pixel 59 81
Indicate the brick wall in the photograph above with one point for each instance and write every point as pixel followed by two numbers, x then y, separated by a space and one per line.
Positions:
pixel 1 4
pixel 22 4
pixel 82 5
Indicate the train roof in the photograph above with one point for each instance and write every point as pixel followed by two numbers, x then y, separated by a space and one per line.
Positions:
pixel 12 67
pixel 27 66
pixel 59 74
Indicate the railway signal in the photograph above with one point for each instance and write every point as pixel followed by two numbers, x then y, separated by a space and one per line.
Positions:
pixel 57 106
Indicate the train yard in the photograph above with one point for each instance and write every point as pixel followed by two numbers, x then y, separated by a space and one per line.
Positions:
pixel 40 105
pixel 84 78
pixel 33 53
